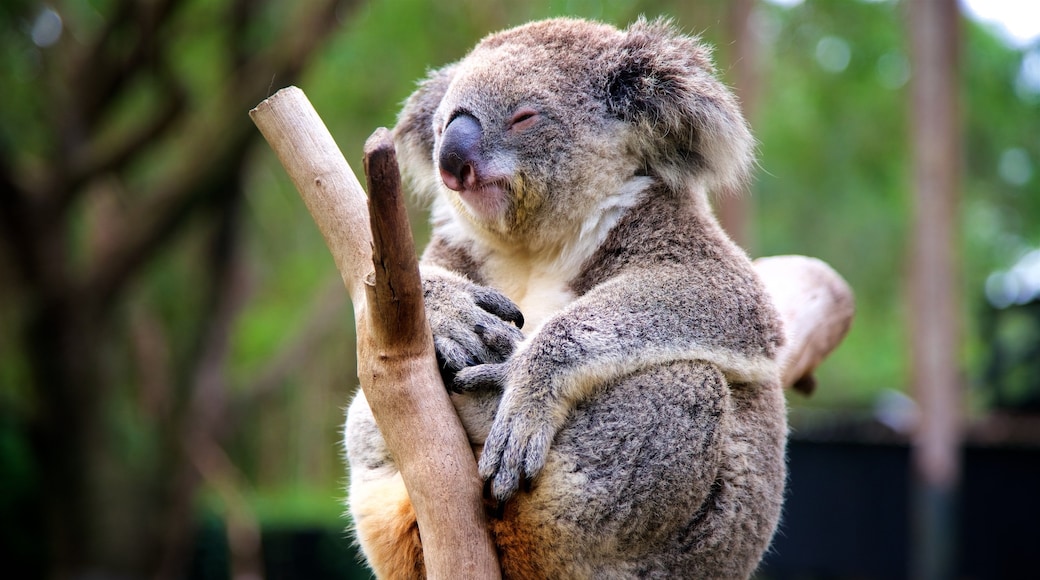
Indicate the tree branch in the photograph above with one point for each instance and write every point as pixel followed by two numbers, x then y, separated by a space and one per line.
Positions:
pixel 92 160
pixel 152 223
pixel 396 365
pixel 816 306
pixel 99 79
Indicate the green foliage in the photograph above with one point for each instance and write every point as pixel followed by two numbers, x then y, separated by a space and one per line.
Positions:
pixel 834 182
pixel 835 176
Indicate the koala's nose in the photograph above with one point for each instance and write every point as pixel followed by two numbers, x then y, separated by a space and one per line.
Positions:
pixel 460 145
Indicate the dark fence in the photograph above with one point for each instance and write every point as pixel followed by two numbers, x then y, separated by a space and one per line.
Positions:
pixel 847 516
pixel 847 513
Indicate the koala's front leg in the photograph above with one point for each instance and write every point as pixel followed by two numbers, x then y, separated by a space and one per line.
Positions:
pixel 471 324
pixel 524 426
pixel 570 357
pixel 608 333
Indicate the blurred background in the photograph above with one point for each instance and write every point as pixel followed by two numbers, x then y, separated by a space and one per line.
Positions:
pixel 176 347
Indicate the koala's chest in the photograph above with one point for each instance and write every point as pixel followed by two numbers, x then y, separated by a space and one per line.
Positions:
pixel 539 293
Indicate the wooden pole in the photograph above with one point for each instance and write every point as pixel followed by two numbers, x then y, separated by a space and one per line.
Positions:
pixel 396 363
pixel 734 207
pixel 935 333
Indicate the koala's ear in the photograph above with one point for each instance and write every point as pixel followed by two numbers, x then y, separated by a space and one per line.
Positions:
pixel 688 124
pixel 413 134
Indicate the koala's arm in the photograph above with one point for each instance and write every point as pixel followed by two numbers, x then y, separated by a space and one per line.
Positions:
pixel 633 322
pixel 471 325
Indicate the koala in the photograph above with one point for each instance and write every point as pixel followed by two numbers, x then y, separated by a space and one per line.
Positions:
pixel 610 351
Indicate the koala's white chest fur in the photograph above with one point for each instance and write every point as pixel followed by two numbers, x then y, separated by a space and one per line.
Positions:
pixel 540 286
pixel 537 292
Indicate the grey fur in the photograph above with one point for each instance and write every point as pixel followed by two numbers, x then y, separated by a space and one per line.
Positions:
pixel 638 429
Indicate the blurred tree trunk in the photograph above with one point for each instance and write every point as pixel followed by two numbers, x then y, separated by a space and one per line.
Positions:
pixel 105 513
pixel 65 435
pixel 935 332
pixel 735 207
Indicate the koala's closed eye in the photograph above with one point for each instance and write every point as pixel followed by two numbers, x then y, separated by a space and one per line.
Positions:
pixel 524 119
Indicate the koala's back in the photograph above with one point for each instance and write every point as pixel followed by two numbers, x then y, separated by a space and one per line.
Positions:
pixel 650 480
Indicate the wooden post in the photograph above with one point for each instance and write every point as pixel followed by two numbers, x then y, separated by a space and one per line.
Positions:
pixel 734 207
pixel 396 363
pixel 934 312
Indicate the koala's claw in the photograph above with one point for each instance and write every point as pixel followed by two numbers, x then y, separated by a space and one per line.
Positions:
pixel 496 303
pixel 451 358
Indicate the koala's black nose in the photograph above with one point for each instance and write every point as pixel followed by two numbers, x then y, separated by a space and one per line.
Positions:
pixel 460 146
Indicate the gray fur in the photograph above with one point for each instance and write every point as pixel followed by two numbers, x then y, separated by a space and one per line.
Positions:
pixel 638 429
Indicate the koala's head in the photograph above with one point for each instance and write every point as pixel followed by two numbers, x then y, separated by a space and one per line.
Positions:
pixel 542 124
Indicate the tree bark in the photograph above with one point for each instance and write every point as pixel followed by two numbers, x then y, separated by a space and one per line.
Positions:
pixel 396 363
pixel 734 205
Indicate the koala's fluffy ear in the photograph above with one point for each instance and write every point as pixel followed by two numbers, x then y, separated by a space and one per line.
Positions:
pixel 413 134
pixel 688 124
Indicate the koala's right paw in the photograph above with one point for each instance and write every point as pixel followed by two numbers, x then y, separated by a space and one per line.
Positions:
pixel 471 324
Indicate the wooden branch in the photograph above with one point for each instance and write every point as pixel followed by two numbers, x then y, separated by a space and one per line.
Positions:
pixel 396 363
pixel 328 187
pixel 816 306
pixel 396 285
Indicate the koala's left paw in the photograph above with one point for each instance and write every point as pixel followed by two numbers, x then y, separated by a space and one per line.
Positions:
pixel 471 324
pixel 518 444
